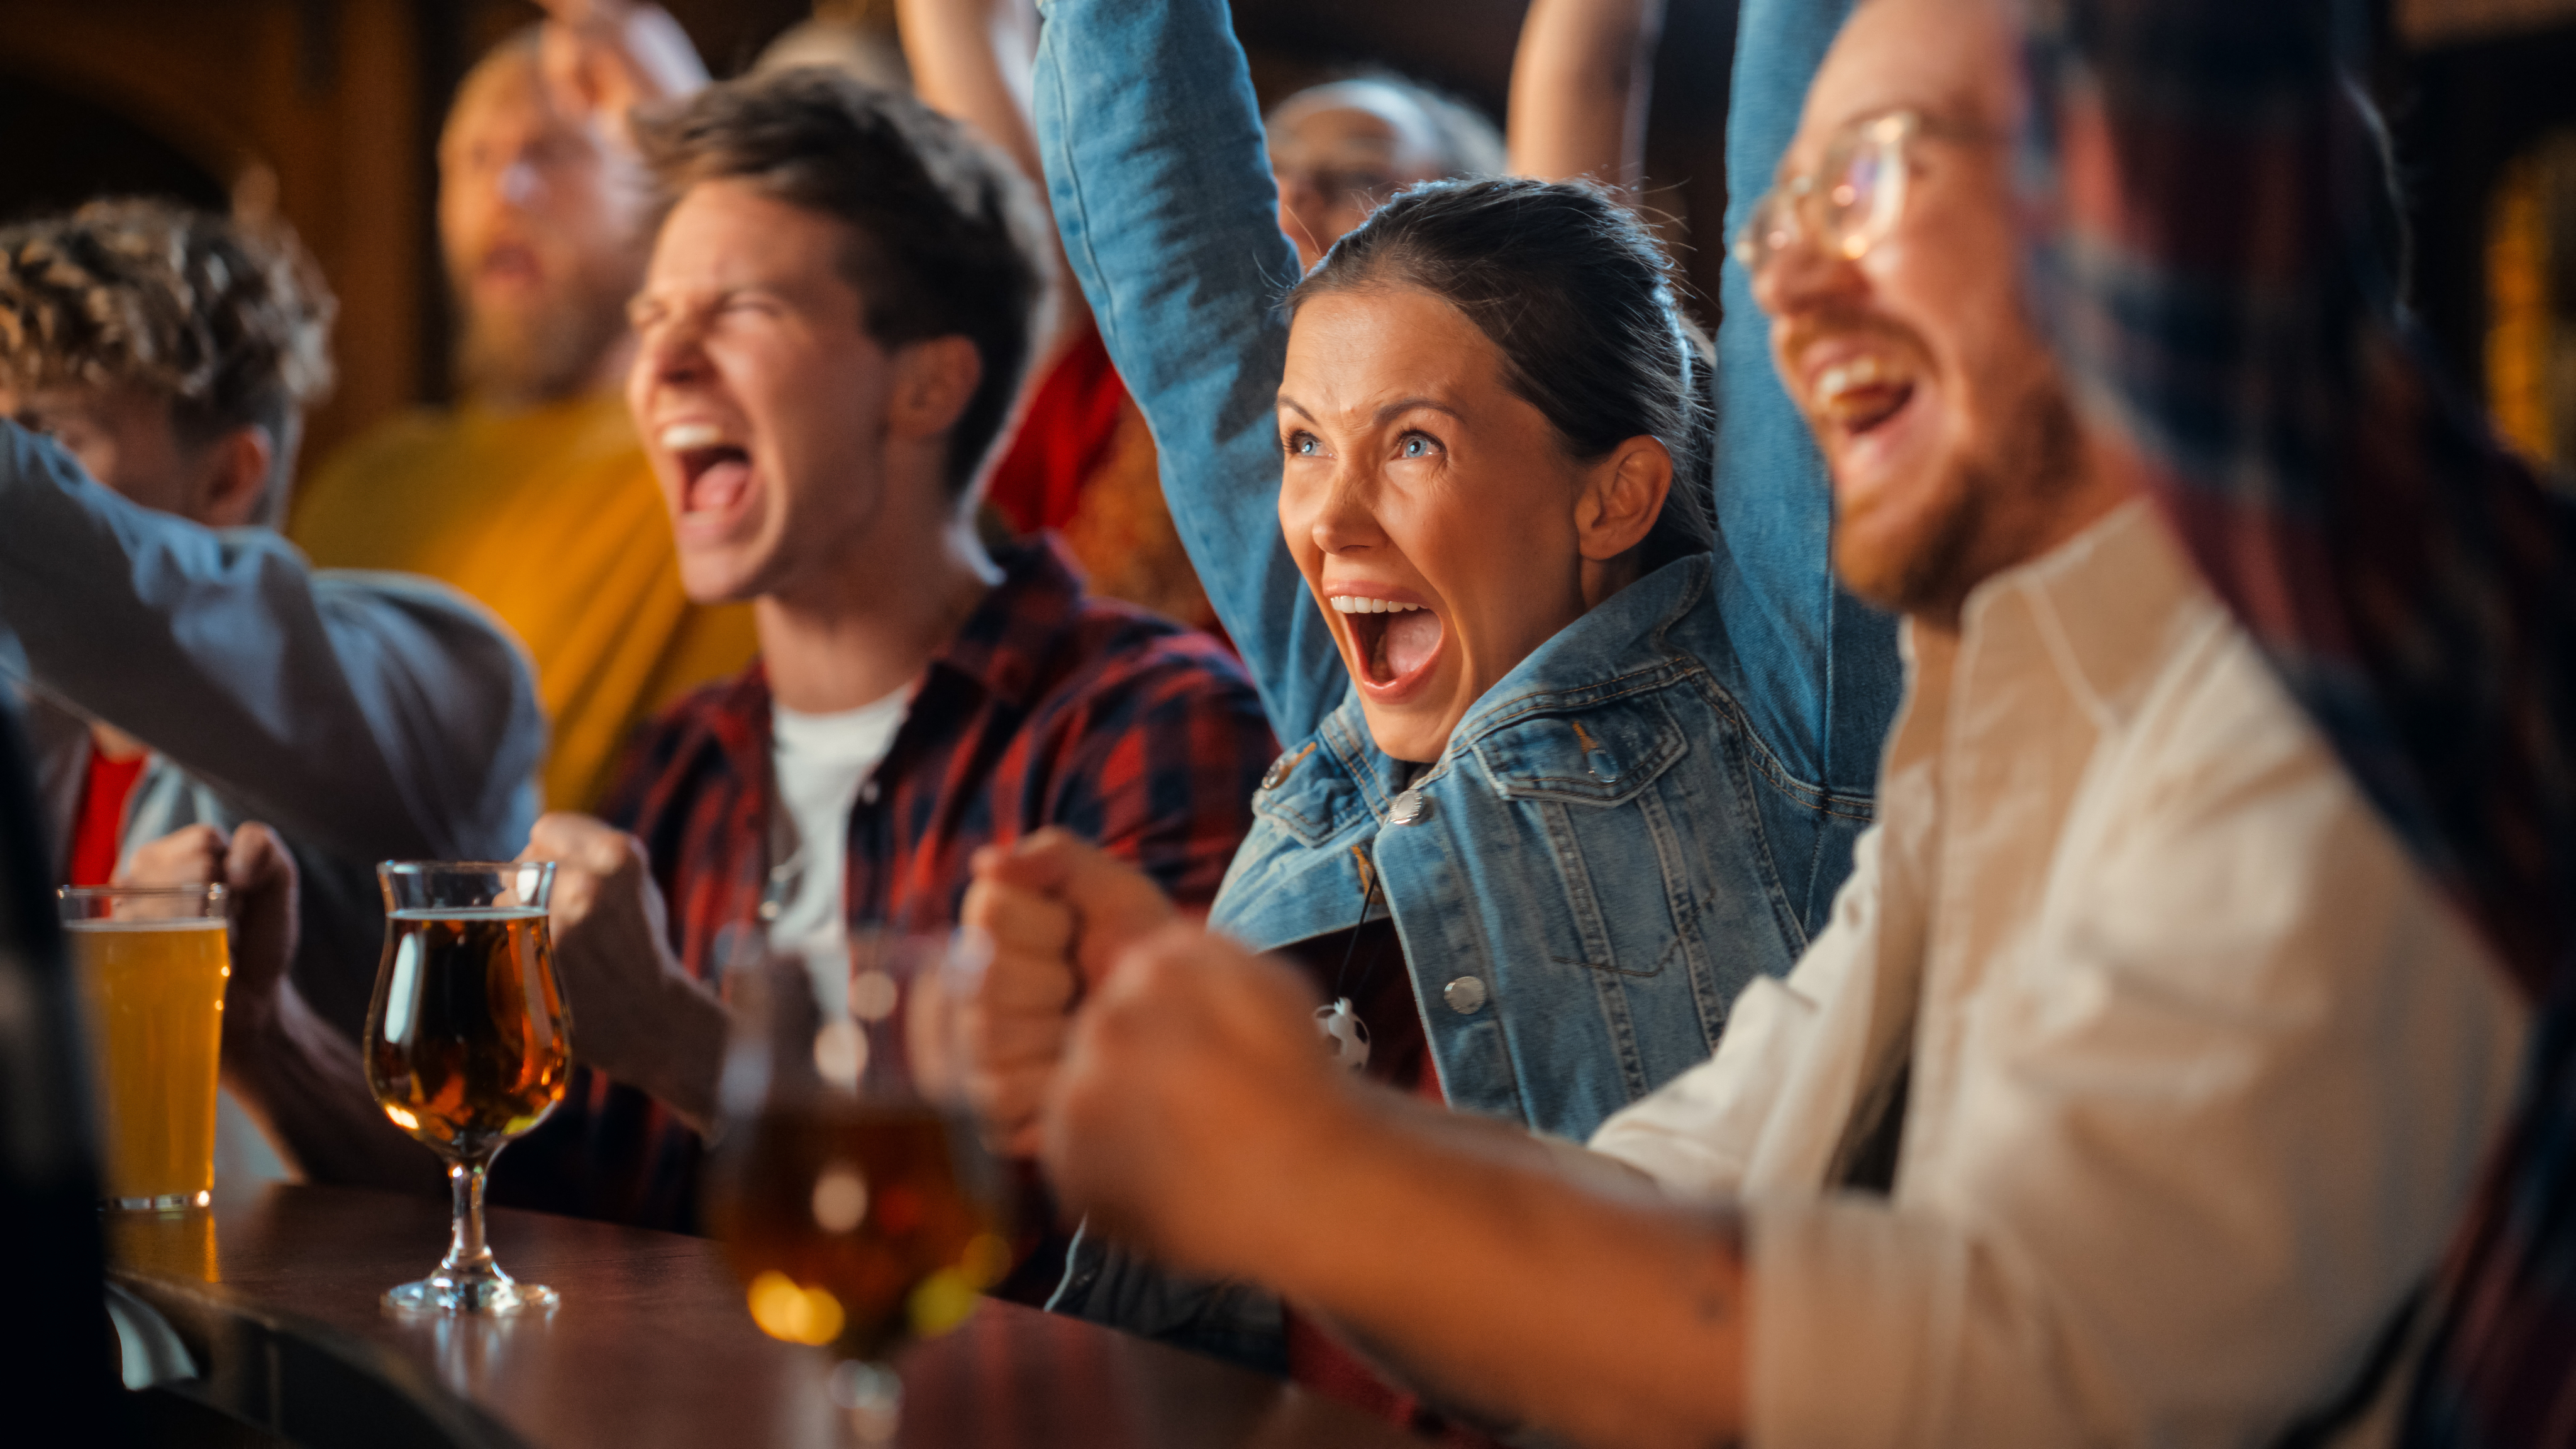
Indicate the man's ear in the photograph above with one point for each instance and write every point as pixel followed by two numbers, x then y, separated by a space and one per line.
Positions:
pixel 233 477
pixel 1623 495
pixel 934 379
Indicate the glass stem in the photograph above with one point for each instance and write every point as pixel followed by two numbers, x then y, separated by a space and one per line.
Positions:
pixel 468 1256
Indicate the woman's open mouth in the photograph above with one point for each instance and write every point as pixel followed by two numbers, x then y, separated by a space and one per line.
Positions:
pixel 1395 642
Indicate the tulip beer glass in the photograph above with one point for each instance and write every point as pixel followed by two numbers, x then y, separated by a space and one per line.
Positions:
pixel 848 1183
pixel 152 964
pixel 468 1046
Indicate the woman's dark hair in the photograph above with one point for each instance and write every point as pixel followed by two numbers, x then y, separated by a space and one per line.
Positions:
pixel 1578 297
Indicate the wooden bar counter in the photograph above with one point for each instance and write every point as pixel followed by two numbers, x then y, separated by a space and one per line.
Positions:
pixel 275 1294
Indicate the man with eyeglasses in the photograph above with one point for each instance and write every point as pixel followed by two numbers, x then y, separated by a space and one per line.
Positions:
pixel 2129 1095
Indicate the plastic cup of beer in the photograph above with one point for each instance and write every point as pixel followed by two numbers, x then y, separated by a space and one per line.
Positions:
pixel 152 965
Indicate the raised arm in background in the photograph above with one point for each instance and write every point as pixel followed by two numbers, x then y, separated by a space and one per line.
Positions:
pixel 973 60
pixel 613 56
pixel 2407 575
pixel 390 719
pixel 1581 80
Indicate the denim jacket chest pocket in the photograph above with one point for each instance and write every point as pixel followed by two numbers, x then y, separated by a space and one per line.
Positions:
pixel 1601 756
pixel 1638 802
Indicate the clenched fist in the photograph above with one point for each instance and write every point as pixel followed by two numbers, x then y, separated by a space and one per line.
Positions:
pixel 1056 912
pixel 637 1015
pixel 1196 1102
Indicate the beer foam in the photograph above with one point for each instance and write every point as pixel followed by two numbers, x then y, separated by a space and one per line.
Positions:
pixel 468 913
pixel 187 923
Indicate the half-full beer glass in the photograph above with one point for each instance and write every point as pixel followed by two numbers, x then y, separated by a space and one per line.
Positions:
pixel 848 1183
pixel 467 1045
pixel 152 965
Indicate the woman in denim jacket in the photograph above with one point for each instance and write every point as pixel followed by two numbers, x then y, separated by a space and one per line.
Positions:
pixel 1592 793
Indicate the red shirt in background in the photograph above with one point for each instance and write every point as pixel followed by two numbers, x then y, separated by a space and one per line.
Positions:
pixel 1061 439
pixel 102 818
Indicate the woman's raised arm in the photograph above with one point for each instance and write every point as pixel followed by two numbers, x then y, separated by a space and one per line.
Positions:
pixel 1152 144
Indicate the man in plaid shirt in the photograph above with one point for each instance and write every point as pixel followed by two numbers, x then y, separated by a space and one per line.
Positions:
pixel 2412 581
pixel 836 318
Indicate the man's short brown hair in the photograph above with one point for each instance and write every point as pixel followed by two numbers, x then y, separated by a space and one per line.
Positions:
pixel 947 236
pixel 231 323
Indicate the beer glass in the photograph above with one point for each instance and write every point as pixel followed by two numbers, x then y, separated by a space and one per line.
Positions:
pixel 468 1046
pixel 848 1183
pixel 152 964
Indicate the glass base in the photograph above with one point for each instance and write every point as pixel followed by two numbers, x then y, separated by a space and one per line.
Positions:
pixel 168 1202
pixel 870 1396
pixel 492 1297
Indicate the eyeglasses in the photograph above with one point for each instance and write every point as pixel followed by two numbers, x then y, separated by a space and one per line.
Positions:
pixel 1848 204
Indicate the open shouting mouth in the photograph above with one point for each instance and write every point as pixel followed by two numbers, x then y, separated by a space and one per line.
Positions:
pixel 1873 403
pixel 715 471
pixel 1394 641
pixel 1863 394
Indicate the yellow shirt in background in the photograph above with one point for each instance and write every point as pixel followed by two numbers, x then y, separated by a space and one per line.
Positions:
pixel 551 517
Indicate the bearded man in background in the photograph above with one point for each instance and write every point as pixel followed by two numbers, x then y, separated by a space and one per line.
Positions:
pixel 532 493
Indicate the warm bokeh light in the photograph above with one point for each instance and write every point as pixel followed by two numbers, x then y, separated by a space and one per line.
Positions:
pixel 799 1315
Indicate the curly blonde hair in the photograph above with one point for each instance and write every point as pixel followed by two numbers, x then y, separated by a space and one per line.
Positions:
pixel 231 323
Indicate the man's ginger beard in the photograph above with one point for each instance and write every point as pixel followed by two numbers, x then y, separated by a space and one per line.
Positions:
pixel 1954 551
pixel 517 357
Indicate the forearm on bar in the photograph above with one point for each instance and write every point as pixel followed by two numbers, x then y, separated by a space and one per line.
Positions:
pixel 307 1085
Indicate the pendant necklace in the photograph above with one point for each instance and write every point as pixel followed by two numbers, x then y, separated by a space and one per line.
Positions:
pixel 1339 1024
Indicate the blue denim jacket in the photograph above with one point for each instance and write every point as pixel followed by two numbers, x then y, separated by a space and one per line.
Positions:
pixel 1655 805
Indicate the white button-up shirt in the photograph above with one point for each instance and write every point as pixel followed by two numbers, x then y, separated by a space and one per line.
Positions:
pixel 2200 1070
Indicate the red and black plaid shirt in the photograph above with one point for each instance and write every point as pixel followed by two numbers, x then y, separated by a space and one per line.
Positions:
pixel 1048 708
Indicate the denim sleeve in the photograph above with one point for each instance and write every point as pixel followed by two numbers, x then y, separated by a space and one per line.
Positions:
pixel 1816 668
pixel 370 714
pixel 1161 188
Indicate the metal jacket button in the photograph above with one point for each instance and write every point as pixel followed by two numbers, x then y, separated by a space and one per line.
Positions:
pixel 1411 808
pixel 1466 995
pixel 1281 768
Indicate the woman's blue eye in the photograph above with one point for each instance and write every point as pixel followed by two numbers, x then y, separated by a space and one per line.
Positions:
pixel 1303 444
pixel 1417 446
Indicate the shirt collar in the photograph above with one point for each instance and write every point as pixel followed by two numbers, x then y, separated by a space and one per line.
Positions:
pixel 1001 650
pixel 2105 603
pixel 1004 645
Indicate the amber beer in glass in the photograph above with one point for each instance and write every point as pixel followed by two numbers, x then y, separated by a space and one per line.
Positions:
pixel 467 1046
pixel 848 1184
pixel 152 965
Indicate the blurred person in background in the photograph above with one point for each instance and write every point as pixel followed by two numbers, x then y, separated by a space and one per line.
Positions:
pixel 187 671
pixel 532 494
